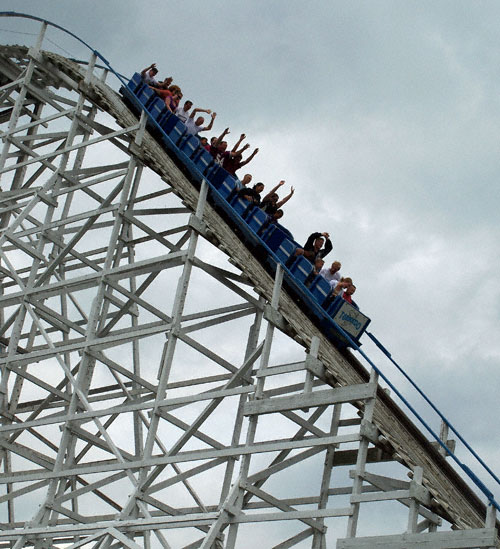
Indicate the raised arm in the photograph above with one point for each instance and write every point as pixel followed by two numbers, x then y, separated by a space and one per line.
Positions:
pixel 273 190
pixel 152 66
pixel 286 199
pixel 197 110
pixel 240 152
pixel 328 246
pixel 221 137
pixel 249 158
pixel 238 143
pixel 209 127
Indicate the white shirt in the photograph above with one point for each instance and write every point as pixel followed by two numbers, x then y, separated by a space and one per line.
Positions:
pixel 150 80
pixel 182 114
pixel 191 127
pixel 335 277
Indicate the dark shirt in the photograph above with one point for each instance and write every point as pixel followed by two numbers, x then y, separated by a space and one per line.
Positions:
pixel 250 194
pixel 218 155
pixel 268 207
pixel 231 164
pixel 309 247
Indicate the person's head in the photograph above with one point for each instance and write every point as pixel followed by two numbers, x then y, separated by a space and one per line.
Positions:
pixel 153 72
pixel 335 268
pixel 350 289
pixel 246 179
pixel 199 121
pixel 166 83
pixel 203 141
pixel 346 281
pixel 222 146
pixel 187 105
pixel 213 140
pixel 318 243
pixel 318 264
pixel 174 88
pixel 278 214
pixel 274 198
pixel 259 187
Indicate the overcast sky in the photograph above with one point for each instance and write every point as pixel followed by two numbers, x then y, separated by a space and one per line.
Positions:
pixel 385 117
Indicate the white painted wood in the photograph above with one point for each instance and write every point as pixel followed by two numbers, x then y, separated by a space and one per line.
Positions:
pixel 318 398
pixel 357 487
pixel 459 539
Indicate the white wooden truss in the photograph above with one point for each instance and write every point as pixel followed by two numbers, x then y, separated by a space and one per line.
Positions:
pixel 154 394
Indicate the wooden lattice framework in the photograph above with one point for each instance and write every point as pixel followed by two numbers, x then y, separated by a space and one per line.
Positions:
pixel 155 395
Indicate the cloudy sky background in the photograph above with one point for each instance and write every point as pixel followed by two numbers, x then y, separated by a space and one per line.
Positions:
pixel 385 117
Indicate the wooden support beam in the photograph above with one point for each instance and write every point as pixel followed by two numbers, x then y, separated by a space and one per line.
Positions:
pixel 458 539
pixel 318 398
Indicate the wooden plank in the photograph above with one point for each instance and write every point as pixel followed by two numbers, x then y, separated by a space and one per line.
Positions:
pixel 292 515
pixel 380 496
pixel 458 539
pixel 319 398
